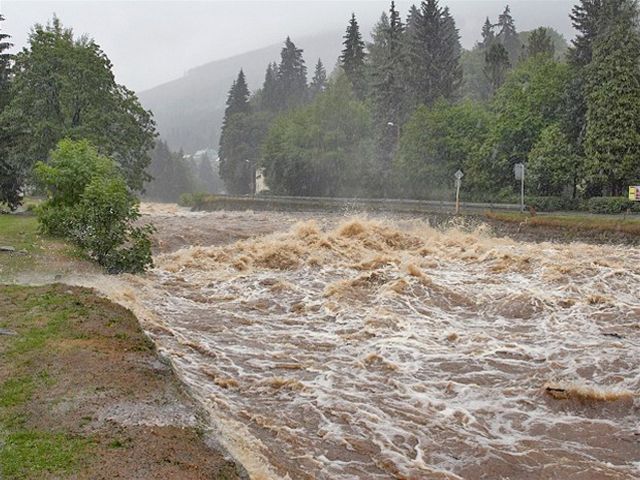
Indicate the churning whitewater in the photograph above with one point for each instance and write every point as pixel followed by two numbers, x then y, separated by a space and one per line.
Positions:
pixel 357 348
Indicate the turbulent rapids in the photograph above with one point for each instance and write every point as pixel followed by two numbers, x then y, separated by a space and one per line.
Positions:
pixel 353 348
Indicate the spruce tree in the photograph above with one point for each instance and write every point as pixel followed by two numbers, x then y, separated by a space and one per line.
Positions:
pixel 11 177
pixel 5 64
pixel 433 45
pixel 387 67
pixel 497 65
pixel 319 80
pixel 540 43
pixel 270 95
pixel 292 77
pixel 233 167
pixel 488 35
pixel 508 35
pixel 352 57
pixel 612 141
pixel 238 98
pixel 589 18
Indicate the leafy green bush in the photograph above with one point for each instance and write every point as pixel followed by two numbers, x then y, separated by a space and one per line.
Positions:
pixel 612 205
pixel 192 199
pixel 553 204
pixel 88 201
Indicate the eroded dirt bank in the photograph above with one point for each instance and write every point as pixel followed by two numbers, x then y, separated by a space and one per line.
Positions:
pixel 327 346
pixel 83 395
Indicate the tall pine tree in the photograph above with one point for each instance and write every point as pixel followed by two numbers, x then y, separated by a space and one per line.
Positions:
pixel 352 57
pixel 319 80
pixel 235 167
pixel 292 77
pixel 10 174
pixel 540 43
pixel 612 141
pixel 270 97
pixel 433 45
pixel 387 66
pixel 238 98
pixel 589 18
pixel 5 64
pixel 488 35
pixel 496 66
pixel 508 35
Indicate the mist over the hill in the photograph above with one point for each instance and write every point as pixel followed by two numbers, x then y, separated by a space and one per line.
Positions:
pixel 170 38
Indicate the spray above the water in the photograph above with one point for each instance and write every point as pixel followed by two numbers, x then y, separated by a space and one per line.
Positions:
pixel 373 349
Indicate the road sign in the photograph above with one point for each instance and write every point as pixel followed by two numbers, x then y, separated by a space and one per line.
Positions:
pixel 518 170
pixel 458 175
pixel 634 193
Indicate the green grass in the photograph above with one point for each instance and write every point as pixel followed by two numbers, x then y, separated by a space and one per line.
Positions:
pixel 26 452
pixel 35 253
pixel 572 222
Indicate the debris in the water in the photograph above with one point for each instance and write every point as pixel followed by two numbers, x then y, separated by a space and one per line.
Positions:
pixel 614 335
pixel 585 393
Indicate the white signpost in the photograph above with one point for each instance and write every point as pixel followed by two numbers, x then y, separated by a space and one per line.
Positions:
pixel 518 170
pixel 458 176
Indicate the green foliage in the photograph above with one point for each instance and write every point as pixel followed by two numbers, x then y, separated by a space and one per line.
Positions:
pixel 612 205
pixel 540 43
pixel 433 54
pixel 612 140
pixel 171 175
pixel 291 87
pixel 319 80
pixel 240 146
pixel 528 102
pixel 192 199
pixel 321 149
pixel 435 143
pixel 553 204
pixel 64 87
pixel 352 57
pixel 88 201
pixel 553 165
pixel 508 35
pixel 496 66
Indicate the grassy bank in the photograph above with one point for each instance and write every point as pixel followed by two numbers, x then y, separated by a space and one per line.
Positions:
pixel 572 223
pixel 35 256
pixel 82 394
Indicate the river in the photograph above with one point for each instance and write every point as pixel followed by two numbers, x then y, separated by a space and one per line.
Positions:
pixel 342 347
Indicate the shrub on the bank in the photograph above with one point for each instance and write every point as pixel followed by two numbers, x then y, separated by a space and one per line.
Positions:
pixel 553 204
pixel 192 199
pixel 612 205
pixel 88 202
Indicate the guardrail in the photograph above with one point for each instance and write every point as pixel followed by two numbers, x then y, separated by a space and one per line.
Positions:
pixel 231 202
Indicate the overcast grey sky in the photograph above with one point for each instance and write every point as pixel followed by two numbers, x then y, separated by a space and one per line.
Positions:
pixel 151 42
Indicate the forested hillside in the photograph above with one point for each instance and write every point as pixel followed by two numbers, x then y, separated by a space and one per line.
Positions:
pixel 188 111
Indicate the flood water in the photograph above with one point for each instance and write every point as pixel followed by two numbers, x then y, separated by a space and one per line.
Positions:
pixel 338 347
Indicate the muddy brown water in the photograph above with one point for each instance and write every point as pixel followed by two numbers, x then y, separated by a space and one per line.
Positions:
pixel 335 347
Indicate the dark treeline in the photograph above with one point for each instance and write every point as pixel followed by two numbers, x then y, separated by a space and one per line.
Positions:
pixel 61 86
pixel 400 115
